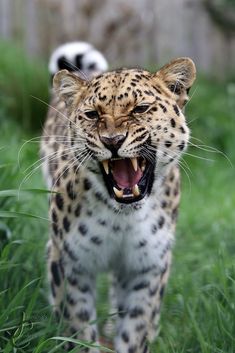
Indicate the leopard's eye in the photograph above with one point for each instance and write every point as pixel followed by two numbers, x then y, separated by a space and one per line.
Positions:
pixel 92 114
pixel 139 109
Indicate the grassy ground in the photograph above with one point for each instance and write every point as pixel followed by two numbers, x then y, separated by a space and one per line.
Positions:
pixel 199 307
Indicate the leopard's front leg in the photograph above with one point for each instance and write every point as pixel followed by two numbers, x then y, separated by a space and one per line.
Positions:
pixel 73 298
pixel 139 302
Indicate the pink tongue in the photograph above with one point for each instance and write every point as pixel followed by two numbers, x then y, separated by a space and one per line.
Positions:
pixel 124 174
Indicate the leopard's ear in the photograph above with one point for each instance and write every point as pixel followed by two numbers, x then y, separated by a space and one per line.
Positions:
pixel 178 76
pixel 68 86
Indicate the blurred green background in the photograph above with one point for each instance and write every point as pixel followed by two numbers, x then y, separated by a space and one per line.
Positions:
pixel 199 306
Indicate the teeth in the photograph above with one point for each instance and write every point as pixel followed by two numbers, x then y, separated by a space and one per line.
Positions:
pixel 134 164
pixel 136 190
pixel 118 193
pixel 106 166
pixel 143 165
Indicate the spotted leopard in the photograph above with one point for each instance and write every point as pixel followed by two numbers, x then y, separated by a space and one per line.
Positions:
pixel 112 145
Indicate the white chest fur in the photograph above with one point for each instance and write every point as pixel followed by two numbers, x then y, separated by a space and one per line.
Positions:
pixel 102 240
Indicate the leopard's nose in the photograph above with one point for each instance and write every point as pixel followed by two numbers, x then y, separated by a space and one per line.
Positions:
pixel 113 143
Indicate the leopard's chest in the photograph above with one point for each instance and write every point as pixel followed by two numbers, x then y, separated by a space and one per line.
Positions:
pixel 102 240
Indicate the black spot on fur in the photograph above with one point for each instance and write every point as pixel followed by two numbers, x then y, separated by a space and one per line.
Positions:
pixel 59 201
pixel 55 228
pixel 176 109
pixel 161 222
pixel 54 216
pixel 70 300
pixel 168 144
pixel 70 190
pixel 85 288
pixel 116 228
pixel 55 273
pixel 142 243
pixel 163 107
pixel 83 315
pixel 164 204
pixel 167 191
pixel 65 172
pixel 83 229
pixel 141 285
pixel 135 312
pixel 157 90
pixel 140 327
pixel 102 98
pixel 181 146
pixel 87 184
pixel 174 214
pixel 69 251
pixel 121 311
pixel 154 313
pixel 77 211
pixel 100 197
pixel 173 122
pixel 96 240
pixel 125 336
pixel 73 281
pixel 102 222
pixel 154 229
pixel 66 224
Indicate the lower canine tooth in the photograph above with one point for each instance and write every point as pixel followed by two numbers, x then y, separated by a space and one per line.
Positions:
pixel 136 190
pixel 134 164
pixel 106 166
pixel 118 193
pixel 143 165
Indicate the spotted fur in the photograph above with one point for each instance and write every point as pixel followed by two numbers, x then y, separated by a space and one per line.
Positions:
pixel 127 113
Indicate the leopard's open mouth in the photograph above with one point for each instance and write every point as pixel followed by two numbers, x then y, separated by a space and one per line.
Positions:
pixel 128 180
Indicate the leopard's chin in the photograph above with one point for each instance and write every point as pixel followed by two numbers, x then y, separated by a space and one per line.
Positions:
pixel 128 180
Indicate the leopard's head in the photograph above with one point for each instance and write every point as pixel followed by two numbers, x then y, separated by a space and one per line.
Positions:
pixel 131 123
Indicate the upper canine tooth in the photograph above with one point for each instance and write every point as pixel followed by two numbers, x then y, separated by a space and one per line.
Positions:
pixel 106 166
pixel 118 193
pixel 136 190
pixel 134 163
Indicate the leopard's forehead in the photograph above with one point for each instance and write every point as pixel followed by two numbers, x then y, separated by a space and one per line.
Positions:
pixel 118 78
pixel 121 89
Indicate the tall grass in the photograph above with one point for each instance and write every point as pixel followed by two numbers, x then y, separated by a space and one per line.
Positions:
pixel 198 310
pixel 22 79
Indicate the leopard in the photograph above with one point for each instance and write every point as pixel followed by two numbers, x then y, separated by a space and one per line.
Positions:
pixel 112 145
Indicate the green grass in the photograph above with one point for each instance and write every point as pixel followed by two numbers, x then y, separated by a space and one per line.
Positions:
pixel 199 309
pixel 21 80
